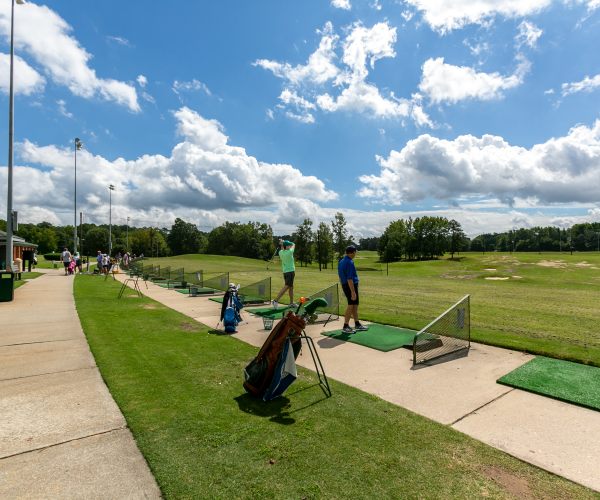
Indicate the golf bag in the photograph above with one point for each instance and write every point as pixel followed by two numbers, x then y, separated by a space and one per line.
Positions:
pixel 230 311
pixel 260 372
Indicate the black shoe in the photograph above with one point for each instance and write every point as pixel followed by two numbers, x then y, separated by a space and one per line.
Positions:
pixel 348 330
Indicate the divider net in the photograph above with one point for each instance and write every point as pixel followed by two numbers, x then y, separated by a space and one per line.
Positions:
pixel 256 293
pixel 218 282
pixel 332 295
pixel 448 333
pixel 193 279
pixel 176 278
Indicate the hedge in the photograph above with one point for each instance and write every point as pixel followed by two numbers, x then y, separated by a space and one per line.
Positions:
pixel 52 256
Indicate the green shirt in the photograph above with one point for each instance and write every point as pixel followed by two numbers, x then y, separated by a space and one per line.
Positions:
pixel 287 260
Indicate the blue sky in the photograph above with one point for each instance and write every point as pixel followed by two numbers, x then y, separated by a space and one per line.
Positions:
pixel 484 111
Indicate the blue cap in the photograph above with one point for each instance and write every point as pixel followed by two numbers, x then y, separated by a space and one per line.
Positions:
pixel 350 249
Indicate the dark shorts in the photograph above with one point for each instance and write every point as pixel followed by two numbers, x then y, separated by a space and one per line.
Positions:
pixel 348 294
pixel 77 263
pixel 288 278
pixel 66 264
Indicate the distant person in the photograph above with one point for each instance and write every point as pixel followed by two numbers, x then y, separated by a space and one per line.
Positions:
pixel 65 257
pixel 99 261
pixel 349 281
pixel 78 263
pixel 35 259
pixel 286 254
pixel 105 263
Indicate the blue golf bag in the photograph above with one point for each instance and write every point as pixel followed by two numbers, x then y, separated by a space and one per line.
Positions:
pixel 230 311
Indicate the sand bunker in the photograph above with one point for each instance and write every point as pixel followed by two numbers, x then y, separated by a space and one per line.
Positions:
pixel 466 277
pixel 517 277
pixel 490 269
pixel 496 279
pixel 583 264
pixel 557 264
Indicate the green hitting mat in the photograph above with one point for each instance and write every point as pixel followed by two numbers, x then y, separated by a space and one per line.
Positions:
pixel 201 291
pixel 381 337
pixel 563 380
pixel 247 300
pixel 270 312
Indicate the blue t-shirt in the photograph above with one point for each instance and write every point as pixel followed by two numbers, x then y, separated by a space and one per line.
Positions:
pixel 347 271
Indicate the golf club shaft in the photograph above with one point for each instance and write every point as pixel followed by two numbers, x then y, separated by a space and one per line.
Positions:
pixel 272 257
pixel 337 305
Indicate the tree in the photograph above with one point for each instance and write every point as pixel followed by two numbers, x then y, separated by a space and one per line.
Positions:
pixel 341 239
pixel 324 244
pixel 96 239
pixel 477 245
pixel 185 238
pixel 303 238
pixel 456 237
pixel 501 245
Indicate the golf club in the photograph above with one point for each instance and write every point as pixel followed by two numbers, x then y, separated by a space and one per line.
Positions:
pixel 270 260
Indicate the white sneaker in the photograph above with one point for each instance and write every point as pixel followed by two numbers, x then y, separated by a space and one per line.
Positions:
pixel 275 304
pixel 294 305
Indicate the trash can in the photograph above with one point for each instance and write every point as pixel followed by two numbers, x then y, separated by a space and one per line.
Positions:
pixel 194 292
pixel 7 287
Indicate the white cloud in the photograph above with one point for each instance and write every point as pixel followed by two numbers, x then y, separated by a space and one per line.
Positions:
pixel 478 49
pixel 528 34
pixel 189 86
pixel 45 36
pixel 148 97
pixel 565 222
pixel 341 4
pixel 202 176
pixel 120 40
pixel 291 97
pixel 270 114
pixel 447 83
pixel 62 109
pixel 142 80
pixel 586 85
pixel 26 79
pixel 561 170
pixel 303 118
pixel 446 15
pixel 319 67
pixel 375 5
pixel 519 219
pixel 551 91
pixel 594 213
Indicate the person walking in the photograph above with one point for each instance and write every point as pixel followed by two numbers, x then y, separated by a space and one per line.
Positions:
pixel 99 262
pixel 286 254
pixel 349 281
pixel 65 257
pixel 78 263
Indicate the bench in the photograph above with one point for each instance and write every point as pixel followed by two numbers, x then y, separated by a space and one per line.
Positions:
pixel 15 270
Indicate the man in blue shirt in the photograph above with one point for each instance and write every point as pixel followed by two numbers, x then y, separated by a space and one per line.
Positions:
pixel 349 281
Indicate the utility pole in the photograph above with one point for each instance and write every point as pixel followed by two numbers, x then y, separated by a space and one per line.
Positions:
pixel 111 188
pixel 78 145
pixel 319 248
pixel 128 234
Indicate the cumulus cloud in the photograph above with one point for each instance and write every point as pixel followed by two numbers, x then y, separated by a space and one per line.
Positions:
pixel 26 79
pixel 561 170
pixel 594 213
pixel 319 67
pixel 447 15
pixel 203 174
pixel 361 48
pixel 142 80
pixel 443 82
pixel 62 108
pixel 528 34
pixel 341 4
pixel 45 36
pixel 148 97
pixel 519 219
pixel 586 85
pixel 189 86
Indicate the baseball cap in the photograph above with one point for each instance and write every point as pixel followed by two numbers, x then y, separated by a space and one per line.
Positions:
pixel 287 243
pixel 350 249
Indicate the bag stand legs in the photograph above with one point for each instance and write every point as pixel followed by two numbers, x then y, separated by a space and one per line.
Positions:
pixel 315 356
pixel 136 287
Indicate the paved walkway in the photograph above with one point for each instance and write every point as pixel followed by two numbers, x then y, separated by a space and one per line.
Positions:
pixel 62 436
pixel 460 391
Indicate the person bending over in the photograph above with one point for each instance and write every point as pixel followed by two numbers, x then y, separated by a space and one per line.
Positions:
pixel 286 254
pixel 349 281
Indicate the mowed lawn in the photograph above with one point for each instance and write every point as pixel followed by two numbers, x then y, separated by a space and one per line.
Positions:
pixel 548 305
pixel 180 390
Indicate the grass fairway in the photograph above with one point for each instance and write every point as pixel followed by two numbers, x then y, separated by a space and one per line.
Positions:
pixel 549 308
pixel 180 390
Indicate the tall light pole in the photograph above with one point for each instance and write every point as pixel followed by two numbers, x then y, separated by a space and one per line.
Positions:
pixel 11 126
pixel 128 234
pixel 598 235
pixel 111 188
pixel 78 145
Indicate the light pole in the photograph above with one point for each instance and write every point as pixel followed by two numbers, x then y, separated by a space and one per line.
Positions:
pixel 11 126
pixel 111 188
pixel 78 145
pixel 598 235
pixel 127 233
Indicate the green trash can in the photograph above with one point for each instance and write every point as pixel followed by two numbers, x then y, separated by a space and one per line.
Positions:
pixel 7 287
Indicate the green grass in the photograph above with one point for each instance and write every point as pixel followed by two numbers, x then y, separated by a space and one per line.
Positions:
pixel 563 380
pixel 180 390
pixel 26 276
pixel 551 310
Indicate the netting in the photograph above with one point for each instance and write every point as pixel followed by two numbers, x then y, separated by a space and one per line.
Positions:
pixel 218 282
pixel 331 294
pixel 450 332
pixel 176 278
pixel 192 279
pixel 256 293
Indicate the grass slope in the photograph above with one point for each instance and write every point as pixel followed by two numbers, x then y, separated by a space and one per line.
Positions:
pixel 180 390
pixel 551 309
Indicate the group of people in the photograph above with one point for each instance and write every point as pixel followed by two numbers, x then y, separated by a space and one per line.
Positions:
pixel 71 263
pixel 348 279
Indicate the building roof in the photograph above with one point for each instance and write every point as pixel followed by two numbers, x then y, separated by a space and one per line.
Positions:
pixel 17 241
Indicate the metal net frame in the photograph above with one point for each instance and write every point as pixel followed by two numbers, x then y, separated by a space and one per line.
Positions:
pixel 448 333
pixel 256 293
pixel 331 294
pixel 218 282
pixel 193 279
pixel 176 278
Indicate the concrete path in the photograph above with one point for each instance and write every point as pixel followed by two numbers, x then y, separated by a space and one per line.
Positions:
pixel 62 436
pixel 458 390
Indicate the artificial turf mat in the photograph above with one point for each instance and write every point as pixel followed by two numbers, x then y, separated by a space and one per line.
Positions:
pixel 381 337
pixel 563 380
pixel 247 300
pixel 270 312
pixel 201 291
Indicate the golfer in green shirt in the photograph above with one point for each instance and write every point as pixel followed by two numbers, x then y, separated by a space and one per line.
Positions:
pixel 286 254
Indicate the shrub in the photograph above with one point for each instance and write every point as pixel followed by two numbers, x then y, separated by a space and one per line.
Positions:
pixel 52 256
